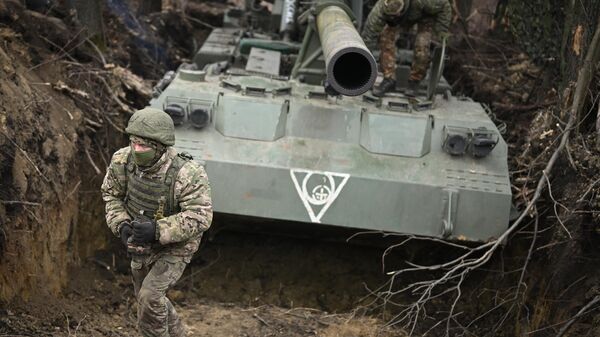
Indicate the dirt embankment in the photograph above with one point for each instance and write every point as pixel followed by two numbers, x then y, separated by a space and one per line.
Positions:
pixel 39 163
pixel 60 115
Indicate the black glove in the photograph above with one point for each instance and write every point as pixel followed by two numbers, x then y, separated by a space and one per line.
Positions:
pixel 144 231
pixel 125 232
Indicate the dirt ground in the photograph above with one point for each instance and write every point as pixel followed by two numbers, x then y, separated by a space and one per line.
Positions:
pixel 239 285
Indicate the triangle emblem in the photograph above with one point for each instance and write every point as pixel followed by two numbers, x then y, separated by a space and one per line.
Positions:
pixel 318 190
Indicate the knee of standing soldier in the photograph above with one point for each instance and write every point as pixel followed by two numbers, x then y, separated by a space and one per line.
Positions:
pixel 149 297
pixel 393 8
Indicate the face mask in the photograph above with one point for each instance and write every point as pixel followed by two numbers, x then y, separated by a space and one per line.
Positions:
pixel 144 158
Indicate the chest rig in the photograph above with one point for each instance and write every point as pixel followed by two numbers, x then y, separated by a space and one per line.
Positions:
pixel 153 197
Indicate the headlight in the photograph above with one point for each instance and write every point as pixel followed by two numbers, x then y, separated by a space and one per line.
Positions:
pixel 477 142
pixel 177 113
pixel 456 140
pixel 199 117
pixel 483 142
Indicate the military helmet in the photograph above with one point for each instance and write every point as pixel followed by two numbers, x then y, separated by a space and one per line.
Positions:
pixel 395 7
pixel 152 124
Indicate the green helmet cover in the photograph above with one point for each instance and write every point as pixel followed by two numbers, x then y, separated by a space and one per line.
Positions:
pixel 152 124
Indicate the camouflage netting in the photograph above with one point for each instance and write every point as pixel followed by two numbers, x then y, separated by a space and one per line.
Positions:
pixel 553 31
pixel 537 26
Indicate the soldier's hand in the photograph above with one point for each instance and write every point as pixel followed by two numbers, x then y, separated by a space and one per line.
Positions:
pixel 125 232
pixel 144 231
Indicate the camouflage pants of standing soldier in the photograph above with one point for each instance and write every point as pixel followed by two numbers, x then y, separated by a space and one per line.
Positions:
pixel 151 280
pixel 421 53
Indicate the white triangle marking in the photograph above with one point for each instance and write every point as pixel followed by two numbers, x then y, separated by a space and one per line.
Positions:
pixel 322 195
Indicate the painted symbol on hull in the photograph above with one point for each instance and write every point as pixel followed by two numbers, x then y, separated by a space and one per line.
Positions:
pixel 318 190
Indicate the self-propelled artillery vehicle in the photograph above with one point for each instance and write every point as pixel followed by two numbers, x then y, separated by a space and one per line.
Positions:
pixel 277 104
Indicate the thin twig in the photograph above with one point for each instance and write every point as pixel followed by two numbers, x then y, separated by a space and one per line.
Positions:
pixel 26 156
pixel 19 202
pixel 583 310
pixel 260 319
pixel 102 59
pixel 89 157
pixel 207 25
pixel 590 188
pixel 74 189
pixel 65 52
pixel 203 267
pixel 557 203
pixel 79 324
pixel 122 105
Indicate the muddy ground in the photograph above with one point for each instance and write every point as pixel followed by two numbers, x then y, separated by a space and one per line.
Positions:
pixel 240 285
pixel 64 104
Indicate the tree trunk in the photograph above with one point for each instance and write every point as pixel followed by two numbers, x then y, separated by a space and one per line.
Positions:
pixel 477 15
pixel 89 16
pixel 580 25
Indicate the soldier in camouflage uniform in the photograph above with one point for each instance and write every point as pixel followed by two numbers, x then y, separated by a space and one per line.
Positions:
pixel 158 202
pixel 388 18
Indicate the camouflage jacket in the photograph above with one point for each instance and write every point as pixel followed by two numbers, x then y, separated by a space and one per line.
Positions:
pixel 178 234
pixel 437 11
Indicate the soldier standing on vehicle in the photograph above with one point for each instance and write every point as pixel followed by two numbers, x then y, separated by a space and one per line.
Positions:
pixel 158 202
pixel 388 18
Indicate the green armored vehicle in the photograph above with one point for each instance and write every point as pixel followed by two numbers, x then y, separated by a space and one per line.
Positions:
pixel 278 106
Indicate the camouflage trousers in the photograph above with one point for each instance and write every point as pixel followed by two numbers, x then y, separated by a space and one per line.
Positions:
pixel 151 280
pixel 421 53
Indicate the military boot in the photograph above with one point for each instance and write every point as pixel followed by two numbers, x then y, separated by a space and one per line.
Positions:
pixel 386 85
pixel 412 89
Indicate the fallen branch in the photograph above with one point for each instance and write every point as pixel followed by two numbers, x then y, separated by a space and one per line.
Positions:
pixel 26 157
pixel 202 23
pixel 114 96
pixel 61 86
pixel 202 268
pixel 583 310
pixel 102 58
pixel 19 202
pixel 260 319
pixel 89 157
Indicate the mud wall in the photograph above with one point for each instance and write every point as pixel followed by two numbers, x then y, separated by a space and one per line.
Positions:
pixel 64 104
pixel 39 161
pixel 57 129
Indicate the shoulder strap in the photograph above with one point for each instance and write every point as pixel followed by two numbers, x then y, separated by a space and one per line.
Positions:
pixel 130 165
pixel 171 176
pixel 129 168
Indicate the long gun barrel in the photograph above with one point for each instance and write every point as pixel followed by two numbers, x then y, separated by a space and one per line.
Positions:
pixel 350 66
